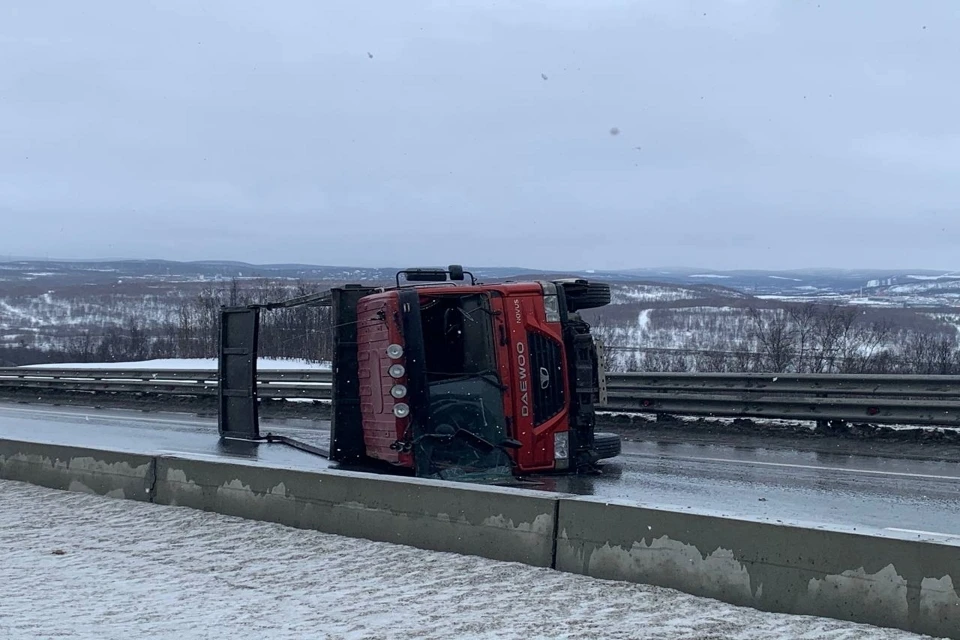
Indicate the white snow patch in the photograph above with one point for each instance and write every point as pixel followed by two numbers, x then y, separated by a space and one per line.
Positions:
pixel 946 275
pixel 624 294
pixel 199 364
pixel 707 275
pixel 88 567
pixel 885 587
pixel 718 572
pixel 643 321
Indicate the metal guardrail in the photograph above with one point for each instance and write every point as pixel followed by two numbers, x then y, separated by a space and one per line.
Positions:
pixel 878 399
pixel 283 384
pixel 791 383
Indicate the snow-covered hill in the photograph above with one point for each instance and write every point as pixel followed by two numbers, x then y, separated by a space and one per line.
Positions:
pixel 72 305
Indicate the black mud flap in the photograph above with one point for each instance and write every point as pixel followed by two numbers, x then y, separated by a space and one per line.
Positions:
pixel 238 415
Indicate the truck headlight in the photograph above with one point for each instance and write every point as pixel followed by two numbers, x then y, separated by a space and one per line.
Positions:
pixel 551 303
pixel 561 445
pixel 551 306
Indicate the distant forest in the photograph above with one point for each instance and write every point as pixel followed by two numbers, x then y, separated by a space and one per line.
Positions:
pixel 778 337
pixel 705 335
pixel 193 330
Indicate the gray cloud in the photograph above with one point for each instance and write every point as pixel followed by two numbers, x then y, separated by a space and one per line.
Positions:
pixel 751 134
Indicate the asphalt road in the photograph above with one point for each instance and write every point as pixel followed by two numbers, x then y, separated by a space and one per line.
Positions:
pixel 154 433
pixel 855 492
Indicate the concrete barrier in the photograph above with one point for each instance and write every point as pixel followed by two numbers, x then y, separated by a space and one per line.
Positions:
pixel 882 581
pixel 503 524
pixel 106 473
pixel 875 580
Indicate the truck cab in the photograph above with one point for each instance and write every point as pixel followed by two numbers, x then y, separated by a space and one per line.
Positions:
pixel 456 378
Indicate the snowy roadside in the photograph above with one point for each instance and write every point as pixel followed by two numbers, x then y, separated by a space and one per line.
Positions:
pixel 804 425
pixel 199 364
pixel 80 566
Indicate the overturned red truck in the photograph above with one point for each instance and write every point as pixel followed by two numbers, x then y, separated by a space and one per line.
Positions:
pixel 446 377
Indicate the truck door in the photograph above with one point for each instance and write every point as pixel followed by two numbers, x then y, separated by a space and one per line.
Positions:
pixel 346 423
pixel 238 416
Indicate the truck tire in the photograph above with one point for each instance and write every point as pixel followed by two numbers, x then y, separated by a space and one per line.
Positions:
pixel 583 294
pixel 607 445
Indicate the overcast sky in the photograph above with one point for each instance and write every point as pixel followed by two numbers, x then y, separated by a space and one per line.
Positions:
pixel 550 133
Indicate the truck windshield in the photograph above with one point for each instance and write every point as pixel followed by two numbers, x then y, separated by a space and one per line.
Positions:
pixel 466 429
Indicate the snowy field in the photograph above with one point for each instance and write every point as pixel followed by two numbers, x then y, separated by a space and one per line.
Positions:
pixel 80 566
pixel 199 364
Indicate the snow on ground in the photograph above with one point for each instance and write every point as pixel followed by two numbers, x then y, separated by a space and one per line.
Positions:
pixel 625 294
pixel 946 275
pixel 767 422
pixel 200 364
pixel 85 567
pixel 643 322
pixel 950 319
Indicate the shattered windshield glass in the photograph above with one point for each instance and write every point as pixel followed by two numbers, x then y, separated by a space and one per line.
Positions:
pixel 466 428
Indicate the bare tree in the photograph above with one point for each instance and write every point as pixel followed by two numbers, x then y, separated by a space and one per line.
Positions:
pixel 832 325
pixel 774 336
pixel 804 320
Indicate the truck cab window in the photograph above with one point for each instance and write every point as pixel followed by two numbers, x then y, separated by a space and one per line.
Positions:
pixel 458 335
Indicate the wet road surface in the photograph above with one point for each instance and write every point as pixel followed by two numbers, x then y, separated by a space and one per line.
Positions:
pixel 151 433
pixel 909 497
pixel 905 498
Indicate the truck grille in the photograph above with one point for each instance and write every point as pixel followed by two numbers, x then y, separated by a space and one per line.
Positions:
pixel 546 376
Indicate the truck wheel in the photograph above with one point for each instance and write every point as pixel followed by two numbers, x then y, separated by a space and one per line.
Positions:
pixel 607 445
pixel 583 294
